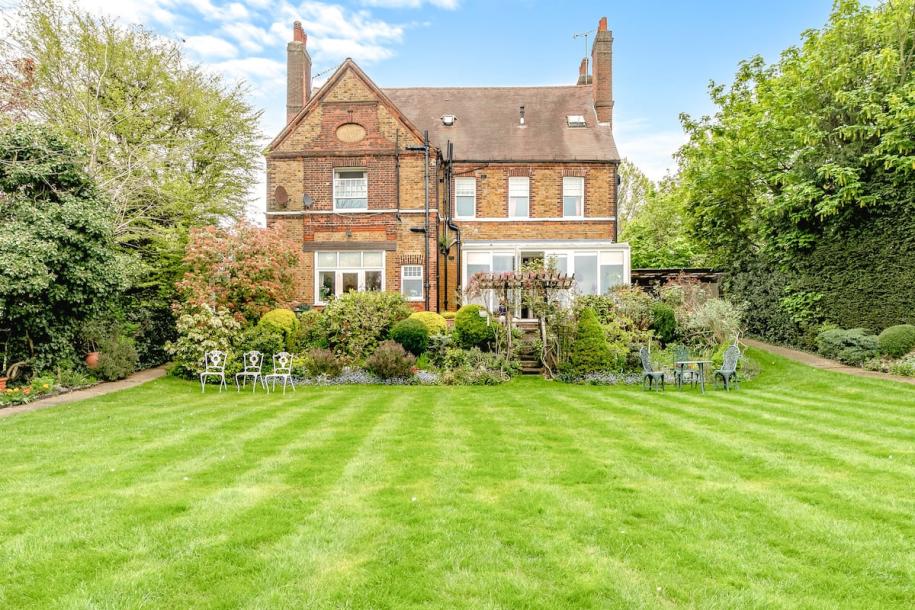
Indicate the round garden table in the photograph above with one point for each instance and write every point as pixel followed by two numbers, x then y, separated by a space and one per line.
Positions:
pixel 700 368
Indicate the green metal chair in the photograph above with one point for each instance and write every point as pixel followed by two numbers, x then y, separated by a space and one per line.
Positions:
pixel 682 372
pixel 728 371
pixel 651 378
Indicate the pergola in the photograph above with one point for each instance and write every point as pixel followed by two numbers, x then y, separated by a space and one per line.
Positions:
pixel 505 284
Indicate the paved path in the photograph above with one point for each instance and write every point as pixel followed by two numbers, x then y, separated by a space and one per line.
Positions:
pixel 818 362
pixel 96 390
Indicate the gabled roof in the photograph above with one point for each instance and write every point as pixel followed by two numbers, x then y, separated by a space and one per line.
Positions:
pixel 487 126
pixel 347 65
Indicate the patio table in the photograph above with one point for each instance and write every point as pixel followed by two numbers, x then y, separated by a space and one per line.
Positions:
pixel 700 366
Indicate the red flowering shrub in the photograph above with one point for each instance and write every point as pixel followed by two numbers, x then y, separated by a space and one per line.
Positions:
pixel 245 269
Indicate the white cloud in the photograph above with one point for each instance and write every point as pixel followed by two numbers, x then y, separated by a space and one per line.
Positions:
pixel 207 46
pixel 137 12
pixel 251 37
pixel 445 4
pixel 650 149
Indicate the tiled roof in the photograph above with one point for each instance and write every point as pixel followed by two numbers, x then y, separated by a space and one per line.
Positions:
pixel 487 126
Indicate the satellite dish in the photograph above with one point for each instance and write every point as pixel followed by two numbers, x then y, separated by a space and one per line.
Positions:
pixel 280 196
pixel 307 201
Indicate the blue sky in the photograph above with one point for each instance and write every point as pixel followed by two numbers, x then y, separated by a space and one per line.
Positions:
pixel 665 52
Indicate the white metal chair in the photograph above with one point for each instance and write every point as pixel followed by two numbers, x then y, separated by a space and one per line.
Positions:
pixel 252 363
pixel 214 365
pixel 282 370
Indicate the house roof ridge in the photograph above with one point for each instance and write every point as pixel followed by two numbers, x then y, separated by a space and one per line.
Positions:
pixel 489 87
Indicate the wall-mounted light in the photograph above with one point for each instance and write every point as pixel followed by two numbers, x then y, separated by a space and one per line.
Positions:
pixel 448 120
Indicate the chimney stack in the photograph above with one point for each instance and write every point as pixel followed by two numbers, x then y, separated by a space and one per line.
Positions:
pixel 602 68
pixel 298 73
pixel 583 78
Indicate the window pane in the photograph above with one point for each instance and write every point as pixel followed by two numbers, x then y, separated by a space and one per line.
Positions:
pixel 586 273
pixel 327 260
pixel 518 187
pixel 465 187
pixel 465 206
pixel 471 269
pixel 373 280
pixel 372 259
pixel 351 259
pixel 571 206
pixel 503 262
pixel 354 174
pixel 518 207
pixel 326 289
pixel 559 262
pixel 350 282
pixel 411 285
pixel 610 276
pixel 572 185
pixel 479 258
pixel 352 203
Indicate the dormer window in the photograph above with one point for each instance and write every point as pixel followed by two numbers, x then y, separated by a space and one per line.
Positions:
pixel 448 120
pixel 576 120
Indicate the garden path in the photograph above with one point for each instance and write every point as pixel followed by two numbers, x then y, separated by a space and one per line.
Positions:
pixel 818 362
pixel 97 390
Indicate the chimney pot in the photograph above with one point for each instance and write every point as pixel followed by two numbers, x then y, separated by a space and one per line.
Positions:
pixel 298 34
pixel 602 25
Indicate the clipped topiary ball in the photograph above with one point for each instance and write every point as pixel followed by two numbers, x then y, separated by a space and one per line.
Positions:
pixel 283 321
pixel 412 334
pixel 897 341
pixel 435 323
pixel 471 329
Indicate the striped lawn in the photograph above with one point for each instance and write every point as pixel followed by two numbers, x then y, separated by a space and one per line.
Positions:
pixel 797 491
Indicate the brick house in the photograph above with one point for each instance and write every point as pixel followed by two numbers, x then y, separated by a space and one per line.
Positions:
pixel 416 189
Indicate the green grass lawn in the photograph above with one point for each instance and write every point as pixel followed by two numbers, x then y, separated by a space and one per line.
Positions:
pixel 797 491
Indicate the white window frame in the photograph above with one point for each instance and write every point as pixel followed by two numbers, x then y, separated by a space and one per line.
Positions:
pixel 338 272
pixel 514 191
pixel 334 180
pixel 566 181
pixel 403 276
pixel 472 182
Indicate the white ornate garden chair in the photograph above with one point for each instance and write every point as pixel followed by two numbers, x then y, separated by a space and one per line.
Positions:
pixel 214 365
pixel 252 363
pixel 282 370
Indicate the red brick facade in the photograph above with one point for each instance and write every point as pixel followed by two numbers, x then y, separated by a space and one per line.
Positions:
pixel 350 123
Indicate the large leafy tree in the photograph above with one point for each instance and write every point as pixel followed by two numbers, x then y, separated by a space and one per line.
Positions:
pixel 806 152
pixel 634 191
pixel 59 264
pixel 246 270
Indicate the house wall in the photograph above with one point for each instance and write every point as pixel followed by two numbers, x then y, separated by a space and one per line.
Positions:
pixel 545 222
pixel 304 162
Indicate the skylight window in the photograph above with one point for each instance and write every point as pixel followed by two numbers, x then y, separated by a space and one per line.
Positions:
pixel 576 120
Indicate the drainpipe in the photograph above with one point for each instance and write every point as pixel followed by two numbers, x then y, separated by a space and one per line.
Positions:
pixel 426 284
pixel 616 203
pixel 397 173
pixel 449 164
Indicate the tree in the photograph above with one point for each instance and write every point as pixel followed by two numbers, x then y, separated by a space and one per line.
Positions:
pixel 244 269
pixel 59 264
pixel 634 192
pixel 659 234
pixel 807 157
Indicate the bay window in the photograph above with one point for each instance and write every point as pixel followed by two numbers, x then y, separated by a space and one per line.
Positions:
pixel 337 273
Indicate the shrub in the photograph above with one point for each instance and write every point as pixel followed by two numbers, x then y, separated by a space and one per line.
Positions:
pixel 449 315
pixel 634 304
pixel 904 366
pixel 312 331
pixel 412 334
pixel 438 348
pixel 200 329
pixel 320 361
pixel 357 321
pixel 117 357
pixel 282 321
pixel 663 322
pixel 262 338
pixel 897 341
pixel 853 346
pixel 434 322
pixel 471 329
pixel 589 352
pixel 712 323
pixel 603 306
pixel 390 361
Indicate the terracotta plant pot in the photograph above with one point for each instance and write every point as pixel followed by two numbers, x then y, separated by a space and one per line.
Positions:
pixel 92 360
pixel 2 383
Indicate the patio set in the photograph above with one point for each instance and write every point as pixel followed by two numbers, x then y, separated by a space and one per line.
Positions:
pixel 214 365
pixel 688 371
